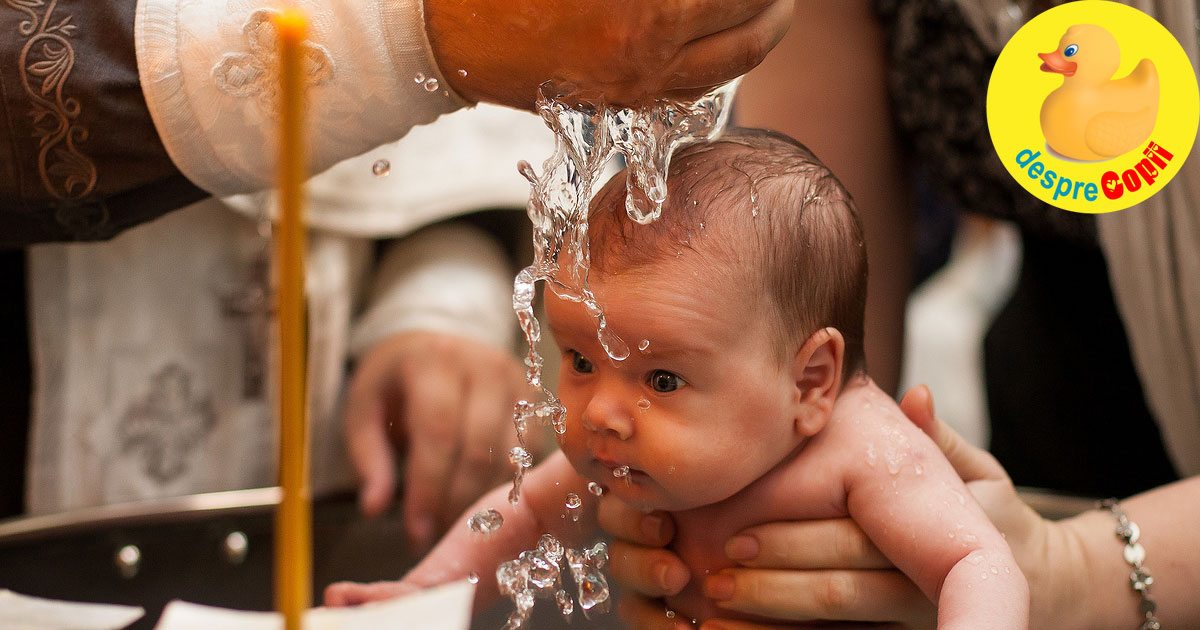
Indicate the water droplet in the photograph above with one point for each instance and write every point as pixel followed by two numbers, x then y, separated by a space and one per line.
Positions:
pixel 670 614
pixel 994 570
pixel 473 577
pixel 621 472
pixel 974 558
pixel 462 73
pixel 595 488
pixel 431 84
pixel 381 168
pixel 643 404
pixel 420 78
pixel 982 575
pixel 918 469
pixel 573 501
pixel 566 605
pixel 644 345
pixel 519 457
pixel 550 546
pixel 526 171
pixel 970 538
pixel 485 521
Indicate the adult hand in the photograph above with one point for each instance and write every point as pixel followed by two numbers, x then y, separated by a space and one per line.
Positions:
pixel 622 50
pixel 830 570
pixel 448 402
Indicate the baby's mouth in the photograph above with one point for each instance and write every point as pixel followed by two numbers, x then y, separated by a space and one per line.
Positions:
pixel 619 471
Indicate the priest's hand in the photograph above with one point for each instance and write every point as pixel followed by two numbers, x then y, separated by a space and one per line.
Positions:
pixel 445 402
pixel 500 51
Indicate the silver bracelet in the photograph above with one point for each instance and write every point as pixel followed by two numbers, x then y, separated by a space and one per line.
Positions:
pixel 1140 579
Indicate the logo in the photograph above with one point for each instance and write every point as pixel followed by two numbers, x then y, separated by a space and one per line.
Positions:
pixel 1093 106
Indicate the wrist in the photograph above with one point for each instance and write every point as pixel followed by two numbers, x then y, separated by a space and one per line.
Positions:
pixel 1097 593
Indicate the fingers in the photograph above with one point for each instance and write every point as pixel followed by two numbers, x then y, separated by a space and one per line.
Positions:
pixel 484 450
pixel 828 544
pixel 871 595
pixel 648 614
pixel 717 58
pixel 364 422
pixel 434 419
pixel 970 462
pixel 354 593
pixel 623 522
pixel 650 571
pixel 706 17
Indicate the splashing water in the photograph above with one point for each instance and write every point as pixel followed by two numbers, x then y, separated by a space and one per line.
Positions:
pixel 381 168
pixel 586 137
pixel 485 521
pixel 538 574
pixel 595 488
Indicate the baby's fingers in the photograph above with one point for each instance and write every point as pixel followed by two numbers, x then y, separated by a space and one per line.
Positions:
pixel 828 544
pixel 872 595
pixel 355 593
pixel 649 571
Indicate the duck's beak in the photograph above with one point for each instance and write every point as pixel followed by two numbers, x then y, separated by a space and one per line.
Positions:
pixel 1056 62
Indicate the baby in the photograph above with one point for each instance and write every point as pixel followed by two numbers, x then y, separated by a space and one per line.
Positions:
pixel 750 292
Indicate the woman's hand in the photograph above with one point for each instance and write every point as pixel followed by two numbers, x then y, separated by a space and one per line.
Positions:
pixel 830 570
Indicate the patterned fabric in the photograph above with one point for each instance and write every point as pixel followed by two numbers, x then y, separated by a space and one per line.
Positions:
pixel 938 81
pixel 79 155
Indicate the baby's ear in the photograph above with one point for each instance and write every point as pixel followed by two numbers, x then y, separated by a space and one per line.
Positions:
pixel 817 372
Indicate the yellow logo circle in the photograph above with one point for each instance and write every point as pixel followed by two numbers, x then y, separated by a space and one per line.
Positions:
pixel 1093 106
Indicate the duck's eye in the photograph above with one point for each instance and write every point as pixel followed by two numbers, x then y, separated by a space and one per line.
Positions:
pixel 580 363
pixel 1071 50
pixel 663 381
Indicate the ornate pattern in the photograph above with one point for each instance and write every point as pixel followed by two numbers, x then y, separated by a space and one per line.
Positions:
pixel 166 426
pixel 46 62
pixel 253 74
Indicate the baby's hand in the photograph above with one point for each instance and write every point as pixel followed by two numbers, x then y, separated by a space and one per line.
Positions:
pixel 355 593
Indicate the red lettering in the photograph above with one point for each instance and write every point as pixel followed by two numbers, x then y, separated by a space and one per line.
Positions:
pixel 1131 179
pixel 1111 185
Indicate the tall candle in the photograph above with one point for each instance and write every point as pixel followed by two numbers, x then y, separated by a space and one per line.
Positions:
pixel 293 520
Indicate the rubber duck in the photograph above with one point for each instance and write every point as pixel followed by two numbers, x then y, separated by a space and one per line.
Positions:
pixel 1092 116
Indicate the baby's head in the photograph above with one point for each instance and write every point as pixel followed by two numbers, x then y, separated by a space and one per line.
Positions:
pixel 743 310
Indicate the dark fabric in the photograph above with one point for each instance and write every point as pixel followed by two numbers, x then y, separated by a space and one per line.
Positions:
pixel 80 158
pixel 14 383
pixel 1066 405
pixel 1064 400
pixel 938 77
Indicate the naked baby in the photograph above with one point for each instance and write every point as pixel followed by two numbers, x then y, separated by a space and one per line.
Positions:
pixel 749 295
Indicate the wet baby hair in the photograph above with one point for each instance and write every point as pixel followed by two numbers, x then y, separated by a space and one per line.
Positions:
pixel 763 207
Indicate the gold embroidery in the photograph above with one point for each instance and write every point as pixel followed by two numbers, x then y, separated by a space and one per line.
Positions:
pixel 46 61
pixel 252 75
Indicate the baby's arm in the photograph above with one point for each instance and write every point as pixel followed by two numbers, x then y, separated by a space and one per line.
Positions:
pixel 915 508
pixel 461 551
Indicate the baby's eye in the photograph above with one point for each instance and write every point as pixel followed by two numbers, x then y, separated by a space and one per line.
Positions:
pixel 580 363
pixel 663 381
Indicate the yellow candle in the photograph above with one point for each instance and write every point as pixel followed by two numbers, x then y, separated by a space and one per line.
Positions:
pixel 293 520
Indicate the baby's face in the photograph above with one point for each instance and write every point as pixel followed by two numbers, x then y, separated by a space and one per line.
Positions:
pixel 704 411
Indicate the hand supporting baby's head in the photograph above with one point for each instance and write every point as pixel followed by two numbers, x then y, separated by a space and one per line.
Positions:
pixel 742 306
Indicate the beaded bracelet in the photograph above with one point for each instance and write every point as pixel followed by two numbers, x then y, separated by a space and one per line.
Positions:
pixel 1140 579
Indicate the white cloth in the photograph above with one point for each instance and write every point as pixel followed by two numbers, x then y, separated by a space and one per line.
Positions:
pixel 138 365
pixel 208 72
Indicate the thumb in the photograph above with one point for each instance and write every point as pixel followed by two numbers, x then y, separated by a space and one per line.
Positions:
pixel 970 462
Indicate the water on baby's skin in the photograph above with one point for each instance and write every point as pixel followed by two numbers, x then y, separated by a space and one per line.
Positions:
pixel 586 138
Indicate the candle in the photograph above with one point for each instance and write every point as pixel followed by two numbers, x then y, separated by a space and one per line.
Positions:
pixel 293 519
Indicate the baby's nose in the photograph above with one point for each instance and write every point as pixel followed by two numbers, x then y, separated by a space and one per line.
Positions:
pixel 608 415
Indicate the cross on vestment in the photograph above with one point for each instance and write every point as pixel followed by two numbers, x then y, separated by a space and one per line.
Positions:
pixel 251 305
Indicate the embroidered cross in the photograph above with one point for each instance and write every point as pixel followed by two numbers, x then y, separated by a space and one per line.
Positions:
pixel 165 427
pixel 254 74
